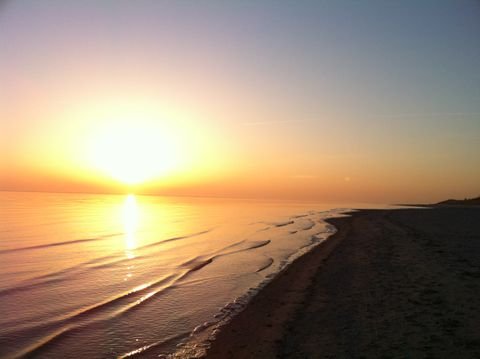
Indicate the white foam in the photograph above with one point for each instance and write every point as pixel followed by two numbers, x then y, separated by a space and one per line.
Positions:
pixel 201 338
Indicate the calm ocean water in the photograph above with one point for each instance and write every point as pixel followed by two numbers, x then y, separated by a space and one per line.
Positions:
pixel 109 276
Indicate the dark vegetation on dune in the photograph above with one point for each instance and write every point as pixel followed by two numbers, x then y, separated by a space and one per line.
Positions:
pixel 460 202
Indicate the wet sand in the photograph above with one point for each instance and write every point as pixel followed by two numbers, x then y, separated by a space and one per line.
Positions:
pixel 390 283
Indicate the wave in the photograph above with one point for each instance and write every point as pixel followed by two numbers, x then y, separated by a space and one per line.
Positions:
pixel 307 225
pixel 100 312
pixel 148 349
pixel 299 216
pixel 249 245
pixel 266 265
pixel 56 244
pixel 282 223
pixel 97 263
pixel 62 275
pixel 163 241
pixel 199 262
pixel 123 303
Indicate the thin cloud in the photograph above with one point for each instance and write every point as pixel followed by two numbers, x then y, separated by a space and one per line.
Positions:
pixel 275 122
pixel 303 176
pixel 431 114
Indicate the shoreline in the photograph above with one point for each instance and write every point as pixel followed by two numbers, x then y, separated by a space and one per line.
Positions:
pixel 266 320
pixel 389 282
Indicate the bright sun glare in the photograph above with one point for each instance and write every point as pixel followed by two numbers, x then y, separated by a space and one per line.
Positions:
pixel 133 152
pixel 130 217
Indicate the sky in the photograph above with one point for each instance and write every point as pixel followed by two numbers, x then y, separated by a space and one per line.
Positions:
pixel 370 101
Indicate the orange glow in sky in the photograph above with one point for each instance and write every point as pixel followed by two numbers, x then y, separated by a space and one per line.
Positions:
pixel 233 99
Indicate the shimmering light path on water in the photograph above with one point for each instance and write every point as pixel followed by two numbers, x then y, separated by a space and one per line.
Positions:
pixel 107 275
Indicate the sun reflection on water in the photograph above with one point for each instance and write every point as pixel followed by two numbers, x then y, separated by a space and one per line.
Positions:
pixel 130 223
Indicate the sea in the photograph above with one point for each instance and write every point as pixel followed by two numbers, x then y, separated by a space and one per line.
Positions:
pixel 117 276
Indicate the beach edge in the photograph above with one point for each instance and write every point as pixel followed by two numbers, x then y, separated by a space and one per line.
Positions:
pixel 291 286
pixel 390 282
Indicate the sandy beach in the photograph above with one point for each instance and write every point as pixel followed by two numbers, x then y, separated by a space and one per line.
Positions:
pixel 390 283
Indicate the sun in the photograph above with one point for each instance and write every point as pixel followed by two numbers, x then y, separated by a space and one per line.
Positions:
pixel 133 152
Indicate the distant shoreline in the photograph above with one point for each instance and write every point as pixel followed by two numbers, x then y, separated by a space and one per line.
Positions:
pixel 399 283
pixel 467 202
